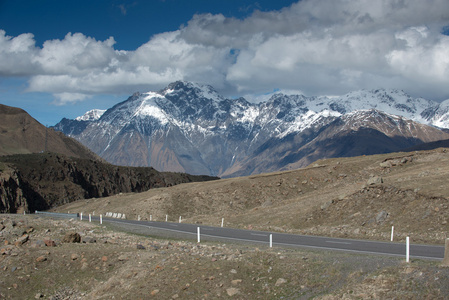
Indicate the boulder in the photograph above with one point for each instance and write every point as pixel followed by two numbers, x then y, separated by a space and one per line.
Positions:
pixel 50 243
pixel 374 180
pixel 22 240
pixel 72 237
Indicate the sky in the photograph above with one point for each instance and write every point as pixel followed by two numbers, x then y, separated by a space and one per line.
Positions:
pixel 62 58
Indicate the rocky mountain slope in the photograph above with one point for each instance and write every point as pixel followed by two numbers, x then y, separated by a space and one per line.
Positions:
pixel 42 181
pixel 22 134
pixel 191 128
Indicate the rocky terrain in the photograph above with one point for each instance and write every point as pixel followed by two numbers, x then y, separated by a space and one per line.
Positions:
pixel 46 258
pixel 30 182
pixel 359 197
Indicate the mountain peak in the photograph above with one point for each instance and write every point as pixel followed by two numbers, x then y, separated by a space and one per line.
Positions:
pixel 91 115
pixel 189 127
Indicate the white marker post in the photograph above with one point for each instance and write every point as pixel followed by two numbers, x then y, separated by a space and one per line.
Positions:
pixel 81 216
pixel 101 219
pixel 151 217
pixel 166 218
pixel 90 218
pixel 222 221
pixel 271 241
pixel 198 234
pixel 179 219
pixel 138 218
pixel 407 250
pixel 392 232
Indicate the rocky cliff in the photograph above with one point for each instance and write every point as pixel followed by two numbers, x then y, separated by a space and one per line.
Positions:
pixel 42 181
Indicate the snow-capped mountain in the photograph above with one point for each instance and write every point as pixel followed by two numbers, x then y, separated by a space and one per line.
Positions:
pixel 91 115
pixel 188 127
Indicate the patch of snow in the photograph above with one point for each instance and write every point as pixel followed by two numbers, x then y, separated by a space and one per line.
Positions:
pixel 91 115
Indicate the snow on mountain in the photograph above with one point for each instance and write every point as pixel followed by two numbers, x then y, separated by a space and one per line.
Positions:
pixel 440 117
pixel 191 127
pixel 91 115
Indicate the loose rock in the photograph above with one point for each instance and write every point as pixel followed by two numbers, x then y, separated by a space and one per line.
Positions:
pixel 72 237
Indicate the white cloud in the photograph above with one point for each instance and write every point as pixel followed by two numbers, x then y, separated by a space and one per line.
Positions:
pixel 317 46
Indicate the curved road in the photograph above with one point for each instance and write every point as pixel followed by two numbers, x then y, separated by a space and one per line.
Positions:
pixel 279 239
pixel 291 240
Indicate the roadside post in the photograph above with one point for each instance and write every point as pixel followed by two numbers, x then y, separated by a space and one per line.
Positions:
pixel 445 262
pixel 198 234
pixel 407 250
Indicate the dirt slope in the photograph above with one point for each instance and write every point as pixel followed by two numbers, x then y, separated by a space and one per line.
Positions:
pixel 360 197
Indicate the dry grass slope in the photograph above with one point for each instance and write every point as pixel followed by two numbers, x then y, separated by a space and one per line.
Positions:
pixel 359 197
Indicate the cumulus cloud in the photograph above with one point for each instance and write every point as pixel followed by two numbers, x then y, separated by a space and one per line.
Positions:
pixel 316 46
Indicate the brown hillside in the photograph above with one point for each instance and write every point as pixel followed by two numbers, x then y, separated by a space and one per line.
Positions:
pixel 359 197
pixel 22 134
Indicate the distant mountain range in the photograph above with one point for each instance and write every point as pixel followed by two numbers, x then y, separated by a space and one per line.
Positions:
pixel 190 128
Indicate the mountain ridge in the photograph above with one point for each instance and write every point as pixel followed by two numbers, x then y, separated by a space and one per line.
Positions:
pixel 191 128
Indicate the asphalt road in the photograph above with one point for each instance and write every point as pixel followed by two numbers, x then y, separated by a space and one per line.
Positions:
pixel 290 240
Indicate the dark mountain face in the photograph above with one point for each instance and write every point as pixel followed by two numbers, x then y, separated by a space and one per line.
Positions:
pixel 190 128
pixel 41 181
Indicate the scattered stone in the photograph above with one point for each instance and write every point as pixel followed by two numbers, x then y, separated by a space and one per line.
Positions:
pixel 280 282
pixel 381 216
pixel 122 257
pixel 326 205
pixel 236 281
pixel 38 244
pixel 385 164
pixel 38 296
pixel 72 237
pixel 154 292
pixel 233 271
pixel 374 180
pixel 267 203
pixel 140 247
pixel 50 243
pixel 74 256
pixel 22 240
pixel 84 266
pixel 88 239
pixel 104 258
pixel 232 291
pixel 41 259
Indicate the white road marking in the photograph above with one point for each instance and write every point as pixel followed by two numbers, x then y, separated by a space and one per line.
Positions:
pixel 259 234
pixel 335 242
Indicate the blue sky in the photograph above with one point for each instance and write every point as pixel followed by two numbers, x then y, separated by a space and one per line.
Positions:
pixel 61 58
